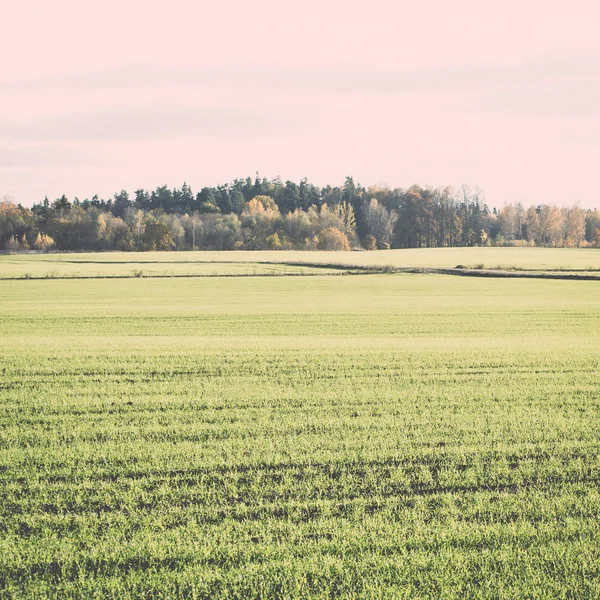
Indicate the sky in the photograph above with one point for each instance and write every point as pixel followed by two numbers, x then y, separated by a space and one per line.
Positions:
pixel 103 96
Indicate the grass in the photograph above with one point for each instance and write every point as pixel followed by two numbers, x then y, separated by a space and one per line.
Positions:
pixel 61 266
pixel 168 264
pixel 371 436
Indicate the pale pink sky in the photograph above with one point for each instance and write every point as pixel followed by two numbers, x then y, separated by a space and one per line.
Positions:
pixel 96 97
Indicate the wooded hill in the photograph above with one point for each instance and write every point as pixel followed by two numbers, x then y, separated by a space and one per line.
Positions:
pixel 258 213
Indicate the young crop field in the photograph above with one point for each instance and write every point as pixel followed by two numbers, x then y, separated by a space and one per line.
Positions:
pixel 370 436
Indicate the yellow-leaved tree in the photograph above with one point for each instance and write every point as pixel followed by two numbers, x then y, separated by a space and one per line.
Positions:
pixel 332 239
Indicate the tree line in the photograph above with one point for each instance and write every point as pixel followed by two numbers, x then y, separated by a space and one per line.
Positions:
pixel 258 214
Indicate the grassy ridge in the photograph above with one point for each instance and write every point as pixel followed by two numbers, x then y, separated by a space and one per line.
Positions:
pixel 372 436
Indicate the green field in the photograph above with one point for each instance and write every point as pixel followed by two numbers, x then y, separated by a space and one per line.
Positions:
pixel 373 436
pixel 119 265
pixel 168 264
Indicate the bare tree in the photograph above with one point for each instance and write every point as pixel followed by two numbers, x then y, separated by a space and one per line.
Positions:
pixel 379 222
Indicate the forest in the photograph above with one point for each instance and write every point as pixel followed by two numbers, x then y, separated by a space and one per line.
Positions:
pixel 259 213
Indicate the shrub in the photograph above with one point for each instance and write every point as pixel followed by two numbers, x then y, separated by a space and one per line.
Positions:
pixel 369 242
pixel 43 242
pixel 273 242
pixel 332 239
